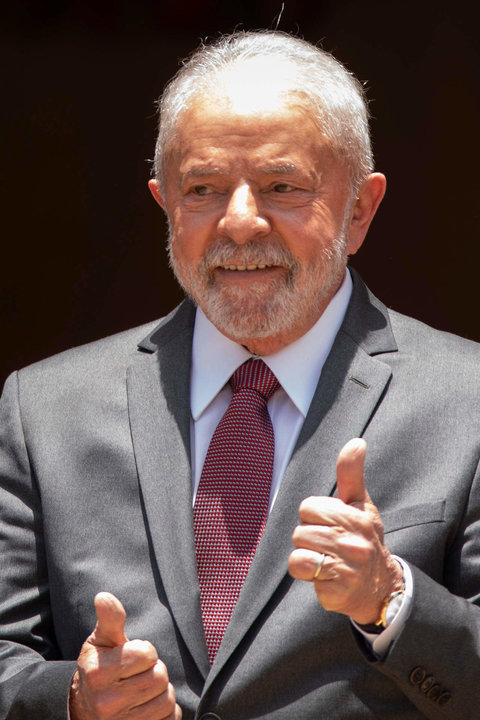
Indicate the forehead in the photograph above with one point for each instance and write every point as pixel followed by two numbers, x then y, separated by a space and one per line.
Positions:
pixel 257 83
pixel 232 128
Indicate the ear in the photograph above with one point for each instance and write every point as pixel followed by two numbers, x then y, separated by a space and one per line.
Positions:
pixel 154 187
pixel 369 197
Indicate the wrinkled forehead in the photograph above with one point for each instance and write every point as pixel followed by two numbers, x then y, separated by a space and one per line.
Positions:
pixel 256 87
pixel 244 126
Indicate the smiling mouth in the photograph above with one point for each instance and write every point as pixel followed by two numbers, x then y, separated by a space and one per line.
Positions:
pixel 245 267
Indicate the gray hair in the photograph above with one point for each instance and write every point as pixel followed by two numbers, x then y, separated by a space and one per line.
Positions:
pixel 336 97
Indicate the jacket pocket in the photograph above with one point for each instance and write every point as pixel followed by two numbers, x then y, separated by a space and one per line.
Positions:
pixel 420 514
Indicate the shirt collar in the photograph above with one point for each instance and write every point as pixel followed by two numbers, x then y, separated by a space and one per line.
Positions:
pixel 297 366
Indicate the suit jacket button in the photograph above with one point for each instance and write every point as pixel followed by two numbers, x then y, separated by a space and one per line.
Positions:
pixel 444 699
pixel 434 692
pixel 428 683
pixel 210 716
pixel 417 675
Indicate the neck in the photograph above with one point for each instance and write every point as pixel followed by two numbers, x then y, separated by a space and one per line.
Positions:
pixel 270 345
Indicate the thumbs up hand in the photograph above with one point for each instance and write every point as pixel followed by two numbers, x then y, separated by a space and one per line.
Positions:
pixel 117 677
pixel 358 573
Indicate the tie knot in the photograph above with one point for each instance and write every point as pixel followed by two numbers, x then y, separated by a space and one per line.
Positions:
pixel 256 375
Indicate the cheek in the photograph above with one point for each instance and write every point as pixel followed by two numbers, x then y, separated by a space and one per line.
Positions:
pixel 192 229
pixel 180 230
pixel 309 229
pixel 188 244
pixel 325 224
pixel 307 242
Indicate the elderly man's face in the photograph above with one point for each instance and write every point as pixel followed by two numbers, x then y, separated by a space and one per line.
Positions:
pixel 260 211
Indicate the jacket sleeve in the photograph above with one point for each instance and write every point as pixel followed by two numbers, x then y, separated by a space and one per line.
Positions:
pixel 30 687
pixel 435 660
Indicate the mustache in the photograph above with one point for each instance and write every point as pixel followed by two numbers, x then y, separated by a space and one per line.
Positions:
pixel 259 252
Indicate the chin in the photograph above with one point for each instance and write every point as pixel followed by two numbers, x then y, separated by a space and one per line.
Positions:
pixel 243 316
pixel 285 307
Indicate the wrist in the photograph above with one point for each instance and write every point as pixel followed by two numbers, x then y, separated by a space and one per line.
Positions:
pixel 388 610
pixel 391 601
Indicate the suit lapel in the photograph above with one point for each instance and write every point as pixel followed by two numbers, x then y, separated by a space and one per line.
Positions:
pixel 158 386
pixel 349 391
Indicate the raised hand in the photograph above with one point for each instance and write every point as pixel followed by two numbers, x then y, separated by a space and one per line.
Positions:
pixel 358 573
pixel 117 677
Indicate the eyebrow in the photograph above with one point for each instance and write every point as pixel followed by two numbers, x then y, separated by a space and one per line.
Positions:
pixel 282 168
pixel 288 168
pixel 269 168
pixel 273 168
pixel 202 171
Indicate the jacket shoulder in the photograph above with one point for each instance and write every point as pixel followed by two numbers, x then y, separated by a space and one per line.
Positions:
pixel 114 349
pixel 426 341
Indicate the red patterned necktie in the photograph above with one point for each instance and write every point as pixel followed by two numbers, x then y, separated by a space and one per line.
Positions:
pixel 231 505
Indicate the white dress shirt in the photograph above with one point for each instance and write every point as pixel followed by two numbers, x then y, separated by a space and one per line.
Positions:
pixel 297 367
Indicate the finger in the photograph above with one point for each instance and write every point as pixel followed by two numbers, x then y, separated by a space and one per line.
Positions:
pixel 162 706
pixel 133 696
pixel 147 684
pixel 136 657
pixel 110 628
pixel 121 662
pixel 303 564
pixel 350 472
pixel 327 512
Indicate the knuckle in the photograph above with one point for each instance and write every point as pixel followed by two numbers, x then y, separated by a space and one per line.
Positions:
pixel 176 714
pixel 363 552
pixel 368 525
pixel 165 703
pixel 307 505
pixel 356 547
pixel 172 707
pixel 370 522
pixel 294 556
pixel 143 649
pixel 294 565
pixel 171 695
pixel 143 682
pixel 297 535
pixel 161 674
pixel 300 563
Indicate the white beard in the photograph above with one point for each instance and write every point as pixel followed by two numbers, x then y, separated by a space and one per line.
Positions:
pixel 267 308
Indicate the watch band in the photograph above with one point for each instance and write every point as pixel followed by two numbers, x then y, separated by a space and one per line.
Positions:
pixel 383 622
pixel 379 626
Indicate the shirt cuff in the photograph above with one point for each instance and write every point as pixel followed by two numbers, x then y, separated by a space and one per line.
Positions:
pixel 381 642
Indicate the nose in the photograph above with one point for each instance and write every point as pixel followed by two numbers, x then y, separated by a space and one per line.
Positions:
pixel 242 220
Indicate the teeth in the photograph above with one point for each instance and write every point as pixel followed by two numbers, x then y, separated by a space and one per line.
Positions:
pixel 246 267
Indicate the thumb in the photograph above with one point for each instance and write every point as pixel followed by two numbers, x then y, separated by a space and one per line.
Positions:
pixel 110 628
pixel 350 477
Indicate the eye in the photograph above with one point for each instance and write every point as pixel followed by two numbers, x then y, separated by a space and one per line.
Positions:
pixel 202 190
pixel 283 188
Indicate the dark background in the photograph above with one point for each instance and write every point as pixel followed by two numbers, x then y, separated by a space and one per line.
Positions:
pixel 82 240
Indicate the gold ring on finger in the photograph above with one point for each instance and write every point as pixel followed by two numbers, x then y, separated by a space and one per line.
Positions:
pixel 319 567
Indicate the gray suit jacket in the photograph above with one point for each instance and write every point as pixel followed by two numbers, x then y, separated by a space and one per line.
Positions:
pixel 95 494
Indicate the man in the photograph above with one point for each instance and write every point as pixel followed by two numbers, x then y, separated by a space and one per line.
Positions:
pixel 264 169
